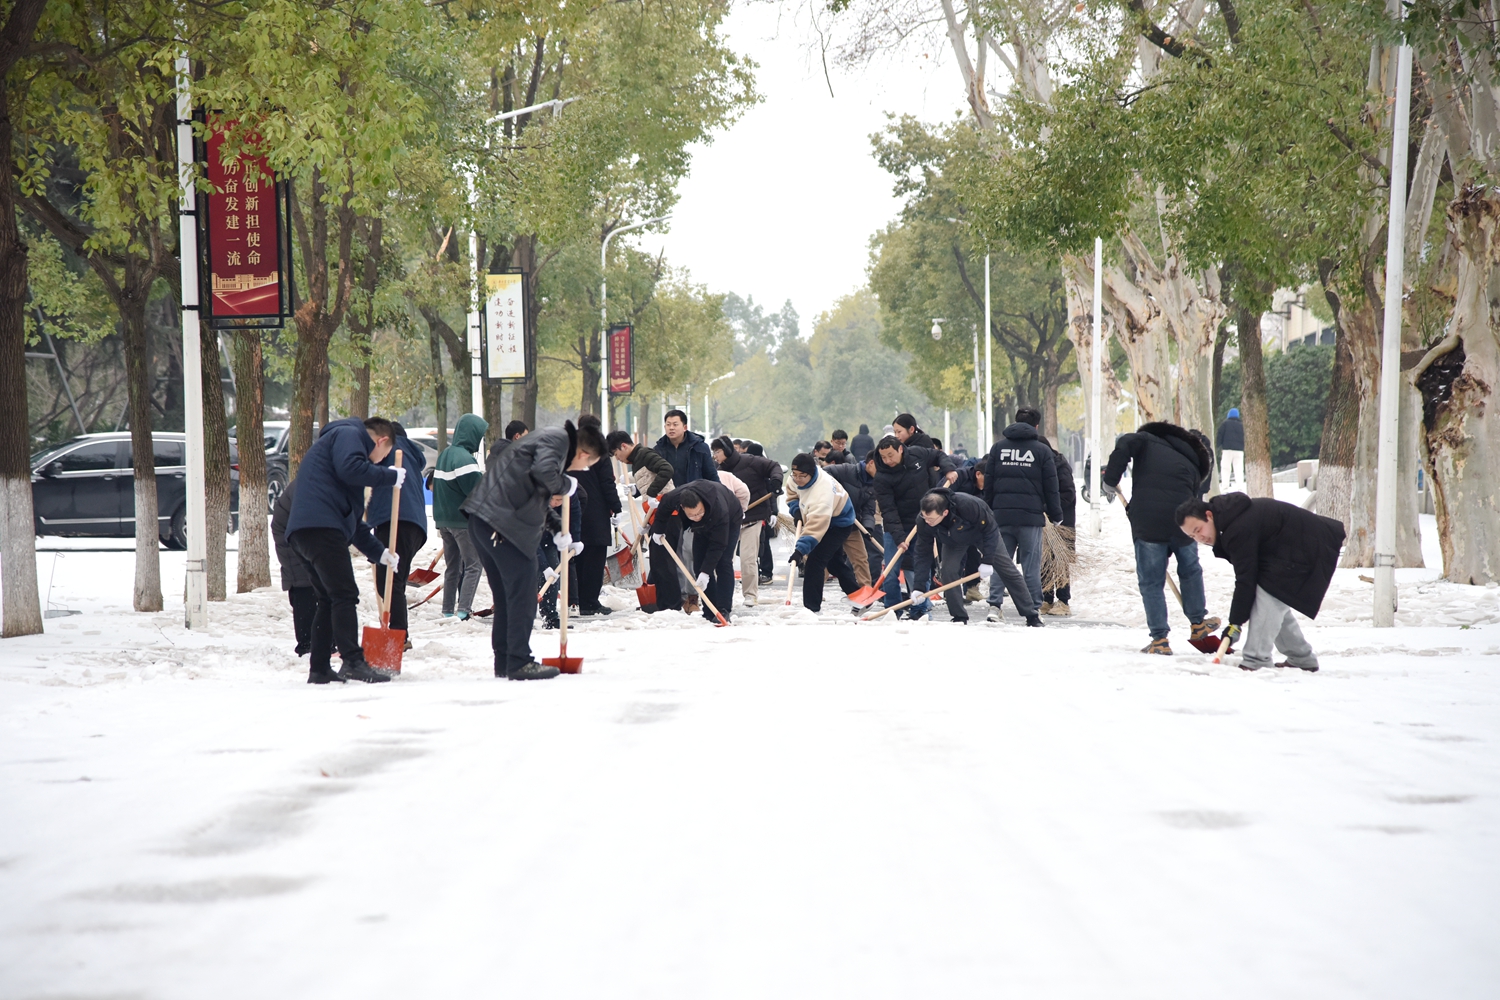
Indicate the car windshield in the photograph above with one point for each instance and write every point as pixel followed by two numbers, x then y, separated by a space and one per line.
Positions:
pixel 41 457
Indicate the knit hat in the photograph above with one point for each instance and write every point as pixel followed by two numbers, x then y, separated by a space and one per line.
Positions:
pixel 1234 411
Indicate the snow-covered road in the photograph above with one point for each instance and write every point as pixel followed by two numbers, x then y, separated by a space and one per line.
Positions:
pixel 794 807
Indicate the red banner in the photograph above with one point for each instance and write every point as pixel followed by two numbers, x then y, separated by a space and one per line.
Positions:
pixel 244 260
pixel 621 360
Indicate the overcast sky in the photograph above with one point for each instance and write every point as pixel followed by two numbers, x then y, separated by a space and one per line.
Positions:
pixel 783 204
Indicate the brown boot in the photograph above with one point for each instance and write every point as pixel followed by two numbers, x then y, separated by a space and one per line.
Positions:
pixel 1159 646
pixel 690 606
pixel 1205 628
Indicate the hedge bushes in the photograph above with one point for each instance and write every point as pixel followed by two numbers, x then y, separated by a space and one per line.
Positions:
pixel 1296 397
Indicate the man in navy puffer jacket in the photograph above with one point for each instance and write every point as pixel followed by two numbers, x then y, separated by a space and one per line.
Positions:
pixel 1020 483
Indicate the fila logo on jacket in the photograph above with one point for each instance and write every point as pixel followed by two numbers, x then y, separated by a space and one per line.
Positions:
pixel 1015 456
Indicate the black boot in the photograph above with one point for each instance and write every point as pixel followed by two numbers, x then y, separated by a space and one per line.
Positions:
pixel 530 671
pixel 1034 620
pixel 359 670
pixel 327 676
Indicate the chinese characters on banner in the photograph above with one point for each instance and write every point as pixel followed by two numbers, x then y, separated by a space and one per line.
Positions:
pixel 505 327
pixel 244 239
pixel 621 360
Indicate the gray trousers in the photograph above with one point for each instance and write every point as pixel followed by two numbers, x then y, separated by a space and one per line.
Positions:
pixel 461 570
pixel 1273 623
pixel 1007 577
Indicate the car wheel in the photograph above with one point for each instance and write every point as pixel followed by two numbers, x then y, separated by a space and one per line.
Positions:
pixel 176 538
pixel 275 483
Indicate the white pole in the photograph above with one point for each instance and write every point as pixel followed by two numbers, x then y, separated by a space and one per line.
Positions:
pixel 1096 523
pixel 978 392
pixel 706 432
pixel 476 369
pixel 195 607
pixel 1386 480
pixel 989 382
pixel 948 432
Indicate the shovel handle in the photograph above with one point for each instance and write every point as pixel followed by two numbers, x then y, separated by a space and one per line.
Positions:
pixel 1224 645
pixel 562 584
pixel 900 550
pixel 390 571
pixel 694 581
pixel 921 597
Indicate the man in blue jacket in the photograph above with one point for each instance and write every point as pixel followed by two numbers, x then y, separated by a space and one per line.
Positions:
pixel 325 521
pixel 411 529
pixel 688 452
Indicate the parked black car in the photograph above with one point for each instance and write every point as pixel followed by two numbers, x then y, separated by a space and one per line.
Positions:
pixel 86 487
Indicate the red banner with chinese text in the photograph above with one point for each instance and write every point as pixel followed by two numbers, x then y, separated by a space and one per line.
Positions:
pixel 621 360
pixel 244 236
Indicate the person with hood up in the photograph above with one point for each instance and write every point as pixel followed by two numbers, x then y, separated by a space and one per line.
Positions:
pixel 712 513
pixel 1167 465
pixel 762 477
pixel 904 428
pixel 507 515
pixel 411 526
pixel 600 515
pixel 651 474
pixel 862 444
pixel 325 520
pixel 1230 443
pixel 456 474
pixel 1283 559
pixel 903 475
pixel 959 523
pixel 1020 483
pixel 823 506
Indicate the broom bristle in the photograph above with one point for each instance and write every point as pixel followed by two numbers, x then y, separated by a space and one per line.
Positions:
pixel 1058 555
pixel 786 522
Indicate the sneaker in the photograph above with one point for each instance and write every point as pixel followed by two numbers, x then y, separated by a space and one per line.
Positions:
pixel 1287 663
pixel 551 622
pixel 406 647
pixel 1159 646
pixel 303 648
pixel 1205 628
pixel 595 612
pixel 449 614
pixel 749 604
pixel 994 615
pixel 1033 621
pixel 1059 609
pixel 766 581
pixel 359 670
pixel 1045 609
pixel 325 677
pixel 915 614
pixel 531 671
pixel 462 616
pixel 972 595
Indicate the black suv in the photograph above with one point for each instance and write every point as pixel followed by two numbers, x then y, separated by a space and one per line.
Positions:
pixel 86 487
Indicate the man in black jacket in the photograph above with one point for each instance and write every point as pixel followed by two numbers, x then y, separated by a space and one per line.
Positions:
pixel 1020 483
pixel 1283 558
pixel 903 475
pixel 762 477
pixel 296 572
pixel 650 473
pixel 1055 602
pixel 712 513
pixel 958 522
pixel 1167 467
pixel 862 444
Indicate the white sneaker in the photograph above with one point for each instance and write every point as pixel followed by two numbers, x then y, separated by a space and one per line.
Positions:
pixel 994 615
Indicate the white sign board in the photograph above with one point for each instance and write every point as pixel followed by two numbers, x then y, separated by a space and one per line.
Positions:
pixel 505 327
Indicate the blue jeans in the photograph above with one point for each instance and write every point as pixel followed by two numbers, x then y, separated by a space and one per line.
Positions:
pixel 1024 544
pixel 1151 577
pixel 893 580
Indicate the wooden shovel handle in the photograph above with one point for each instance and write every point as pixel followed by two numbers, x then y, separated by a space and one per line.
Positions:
pixel 694 581
pixel 921 597
pixel 390 571
pixel 895 558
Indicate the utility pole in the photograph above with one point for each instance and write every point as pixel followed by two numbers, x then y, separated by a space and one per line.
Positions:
pixel 1096 521
pixel 195 604
pixel 989 381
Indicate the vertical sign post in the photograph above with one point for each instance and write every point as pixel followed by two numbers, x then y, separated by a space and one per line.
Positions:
pixel 622 361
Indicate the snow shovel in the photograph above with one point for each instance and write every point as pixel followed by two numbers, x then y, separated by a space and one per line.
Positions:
pixel 645 594
pixel 562 661
pixel 866 596
pixel 383 645
pixel 694 581
pixel 430 595
pixel 922 597
pixel 1207 644
pixel 791 574
pixel 422 577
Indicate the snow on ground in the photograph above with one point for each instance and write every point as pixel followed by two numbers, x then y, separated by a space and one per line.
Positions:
pixel 798 806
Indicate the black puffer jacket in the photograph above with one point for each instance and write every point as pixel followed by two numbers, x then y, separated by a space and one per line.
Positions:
pixel 970 522
pixel 1231 435
pixel 1288 551
pixel 295 570
pixel 899 489
pixel 861 446
pixel 1167 466
pixel 1020 479
pixel 760 476
pixel 1067 490
pixel 719 529
pixel 520 479
pixel 859 487
pixel 598 485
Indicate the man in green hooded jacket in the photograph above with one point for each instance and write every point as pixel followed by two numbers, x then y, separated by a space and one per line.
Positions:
pixel 456 474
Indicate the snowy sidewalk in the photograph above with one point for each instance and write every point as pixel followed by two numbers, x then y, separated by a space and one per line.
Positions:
pixel 794 807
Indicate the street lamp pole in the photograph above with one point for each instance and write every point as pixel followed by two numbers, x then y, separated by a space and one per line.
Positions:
pixel 195 603
pixel 989 382
pixel 604 317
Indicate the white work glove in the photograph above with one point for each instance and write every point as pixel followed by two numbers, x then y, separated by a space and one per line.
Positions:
pixel 391 559
pixel 550 575
pixel 632 490
pixel 616 519
pixel 702 581
pixel 400 476
pixel 659 539
pixel 572 486
pixel 651 504
pixel 562 540
pixel 986 571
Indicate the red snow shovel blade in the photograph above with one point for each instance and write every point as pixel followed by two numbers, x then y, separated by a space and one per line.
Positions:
pixel 383 648
pixel 417 577
pixel 645 595
pixel 1208 644
pixel 567 664
pixel 864 597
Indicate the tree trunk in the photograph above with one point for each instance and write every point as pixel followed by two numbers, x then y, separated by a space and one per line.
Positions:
pixel 523 405
pixel 1340 428
pixel 254 569
pixel 216 463
pixel 1253 404
pixel 1362 324
pixel 359 394
pixel 1458 380
pixel 147 594
pixel 458 355
pixel 22 611
pixel 439 388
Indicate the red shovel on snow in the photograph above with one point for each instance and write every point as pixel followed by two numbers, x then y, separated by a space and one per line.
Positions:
pixel 383 645
pixel 866 596
pixel 418 577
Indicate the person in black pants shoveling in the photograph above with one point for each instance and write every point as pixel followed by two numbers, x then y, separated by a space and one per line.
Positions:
pixel 411 526
pixel 712 513
pixel 1283 558
pixel 822 504
pixel 957 522
pixel 507 514
pixel 296 572
pixel 325 521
